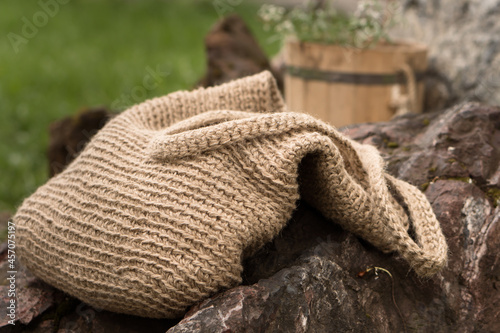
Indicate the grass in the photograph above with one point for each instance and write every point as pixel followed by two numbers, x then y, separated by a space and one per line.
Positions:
pixel 89 54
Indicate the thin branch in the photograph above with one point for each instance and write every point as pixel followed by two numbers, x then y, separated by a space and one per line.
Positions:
pixel 375 271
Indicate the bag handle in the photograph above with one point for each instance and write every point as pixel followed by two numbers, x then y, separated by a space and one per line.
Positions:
pixel 429 252
pixel 214 129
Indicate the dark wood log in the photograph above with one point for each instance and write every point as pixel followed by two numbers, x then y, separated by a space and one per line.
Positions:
pixel 232 52
pixel 69 135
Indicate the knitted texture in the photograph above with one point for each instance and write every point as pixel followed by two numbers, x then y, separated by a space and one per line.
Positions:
pixel 163 203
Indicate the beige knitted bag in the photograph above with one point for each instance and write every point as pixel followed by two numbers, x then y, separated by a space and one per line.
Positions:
pixel 160 207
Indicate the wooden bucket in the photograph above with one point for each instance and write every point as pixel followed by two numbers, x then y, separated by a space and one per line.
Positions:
pixel 345 86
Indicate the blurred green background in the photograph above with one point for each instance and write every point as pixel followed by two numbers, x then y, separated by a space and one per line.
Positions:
pixel 90 53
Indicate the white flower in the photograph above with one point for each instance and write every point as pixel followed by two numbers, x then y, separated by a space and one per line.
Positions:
pixel 369 9
pixel 373 14
pixel 299 15
pixel 285 27
pixel 360 10
pixel 269 13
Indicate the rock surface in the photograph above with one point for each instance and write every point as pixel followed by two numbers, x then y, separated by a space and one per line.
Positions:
pixel 42 308
pixel 308 279
pixel 464 47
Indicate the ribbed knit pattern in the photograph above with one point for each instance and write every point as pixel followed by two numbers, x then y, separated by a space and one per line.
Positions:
pixel 163 203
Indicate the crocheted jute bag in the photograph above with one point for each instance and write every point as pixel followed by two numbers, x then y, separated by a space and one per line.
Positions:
pixel 163 203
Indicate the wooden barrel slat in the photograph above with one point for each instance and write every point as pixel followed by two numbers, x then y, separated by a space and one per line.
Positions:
pixel 346 85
